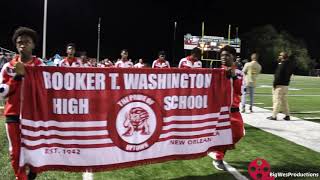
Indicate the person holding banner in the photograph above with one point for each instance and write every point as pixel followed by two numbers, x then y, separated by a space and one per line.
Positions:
pixel 11 81
pixel 161 62
pixel 124 62
pixel 192 61
pixel 71 60
pixel 227 55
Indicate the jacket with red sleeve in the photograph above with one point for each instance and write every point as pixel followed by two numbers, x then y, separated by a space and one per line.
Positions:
pixel 10 85
pixel 237 87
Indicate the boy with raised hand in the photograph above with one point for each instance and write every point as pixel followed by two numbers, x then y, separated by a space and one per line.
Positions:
pixel 11 78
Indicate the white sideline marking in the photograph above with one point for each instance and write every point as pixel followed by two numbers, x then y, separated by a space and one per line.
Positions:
pixel 311 118
pixel 233 171
pixel 258 103
pixel 301 132
pixel 291 95
pixel 87 176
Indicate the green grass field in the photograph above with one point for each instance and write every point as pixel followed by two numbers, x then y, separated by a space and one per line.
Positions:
pixel 304 97
pixel 283 156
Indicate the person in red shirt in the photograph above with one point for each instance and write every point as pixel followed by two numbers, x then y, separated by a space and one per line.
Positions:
pixel 71 60
pixel 10 87
pixel 161 62
pixel 192 61
pixel 228 55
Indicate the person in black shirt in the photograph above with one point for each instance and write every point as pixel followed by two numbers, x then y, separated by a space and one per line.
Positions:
pixel 280 86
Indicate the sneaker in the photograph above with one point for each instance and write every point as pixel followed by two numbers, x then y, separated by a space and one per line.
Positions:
pixel 271 118
pixel 32 175
pixel 251 109
pixel 213 155
pixel 219 165
pixel 287 118
pixel 243 109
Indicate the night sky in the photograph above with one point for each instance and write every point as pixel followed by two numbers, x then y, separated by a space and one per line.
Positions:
pixel 145 27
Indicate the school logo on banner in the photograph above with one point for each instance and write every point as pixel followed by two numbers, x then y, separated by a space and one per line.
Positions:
pixel 135 122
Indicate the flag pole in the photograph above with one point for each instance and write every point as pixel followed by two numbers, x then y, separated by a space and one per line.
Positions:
pixel 174 42
pixel 229 34
pixel 202 40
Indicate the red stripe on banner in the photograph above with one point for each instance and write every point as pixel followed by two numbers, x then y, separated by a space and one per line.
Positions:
pixel 185 137
pixel 190 122
pixel 188 129
pixel 67 145
pixel 223 127
pixel 41 128
pixel 224 120
pixel 70 119
pixel 31 138
pixel 224 113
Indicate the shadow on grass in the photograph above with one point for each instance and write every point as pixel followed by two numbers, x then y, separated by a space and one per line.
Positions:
pixel 215 175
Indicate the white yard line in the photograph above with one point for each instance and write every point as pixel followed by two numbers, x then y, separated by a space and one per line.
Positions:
pixel 292 95
pixel 233 171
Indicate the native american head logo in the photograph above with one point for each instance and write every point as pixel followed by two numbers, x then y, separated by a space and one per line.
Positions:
pixel 136 120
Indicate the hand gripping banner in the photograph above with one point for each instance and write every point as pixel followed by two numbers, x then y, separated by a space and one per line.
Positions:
pixel 78 119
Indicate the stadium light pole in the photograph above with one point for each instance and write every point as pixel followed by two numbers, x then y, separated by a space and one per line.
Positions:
pixel 98 45
pixel 44 30
pixel 174 42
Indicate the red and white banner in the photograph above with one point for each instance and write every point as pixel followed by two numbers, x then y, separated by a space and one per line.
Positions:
pixel 78 119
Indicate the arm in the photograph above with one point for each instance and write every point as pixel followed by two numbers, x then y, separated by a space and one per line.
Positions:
pixel 8 83
pixel 245 69
pixel 154 62
pixel 168 64
pixel 180 64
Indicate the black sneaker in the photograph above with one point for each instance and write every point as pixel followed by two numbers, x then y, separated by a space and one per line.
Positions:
pixel 251 109
pixel 271 118
pixel 219 165
pixel 32 175
pixel 287 118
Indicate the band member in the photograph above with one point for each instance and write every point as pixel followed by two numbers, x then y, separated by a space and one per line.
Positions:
pixel 11 78
pixel 227 55
pixel 192 61
pixel 124 62
pixel 71 60
pixel 161 62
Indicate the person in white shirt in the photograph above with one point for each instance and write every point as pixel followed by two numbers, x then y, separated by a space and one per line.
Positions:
pixel 70 60
pixel 161 62
pixel 192 61
pixel 108 63
pixel 140 64
pixel 124 61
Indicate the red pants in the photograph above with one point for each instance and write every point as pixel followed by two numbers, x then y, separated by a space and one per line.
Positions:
pixel 14 138
pixel 237 128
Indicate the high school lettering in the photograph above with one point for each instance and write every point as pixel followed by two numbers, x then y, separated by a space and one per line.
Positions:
pixel 75 119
